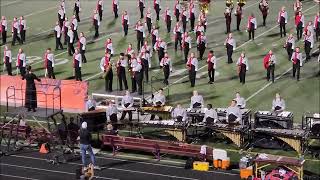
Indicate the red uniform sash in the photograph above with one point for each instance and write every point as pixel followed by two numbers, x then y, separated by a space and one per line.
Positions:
pixel 266 60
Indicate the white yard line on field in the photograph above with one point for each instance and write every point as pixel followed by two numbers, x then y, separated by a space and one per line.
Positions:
pixel 7 4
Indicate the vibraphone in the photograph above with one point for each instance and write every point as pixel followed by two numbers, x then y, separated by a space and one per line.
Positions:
pixel 295 138
pixel 163 111
pixel 311 123
pixel 268 119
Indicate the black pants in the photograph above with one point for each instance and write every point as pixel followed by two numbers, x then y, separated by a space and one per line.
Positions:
pixel 282 29
pixel 78 73
pixel 58 43
pixel 113 118
pixel 141 7
pixel 157 9
pixel 22 71
pixel 317 33
pixel 192 20
pixel 251 33
pixel 168 24
pixel 177 41
pixel 140 40
pixel 125 27
pixel 51 72
pixel 100 13
pixel 138 78
pixel 96 28
pixel 177 13
pixel 149 25
pixel 192 75
pixel 229 53
pixel 242 73
pixel 122 78
pixel 228 24
pixel 146 69
pixel 289 52
pixel 238 22
pixel 202 49
pixel 153 40
pixel 23 35
pixel 184 24
pixel 264 16
pixel 307 48
pixel 15 37
pixel 75 36
pixel 70 49
pixel 4 35
pixel 115 11
pixel 196 105
pixel 186 52
pixel 108 81
pixel 65 33
pixel 124 113
pixel 83 56
pixel 77 14
pixel 161 54
pixel 211 74
pixel 270 72
pixel 8 66
pixel 296 70
pixel 166 73
pixel 299 31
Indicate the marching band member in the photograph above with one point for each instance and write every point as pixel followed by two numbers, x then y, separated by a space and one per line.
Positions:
pixel 137 74
pixel 7 59
pixel 57 32
pixel 192 15
pixel 155 35
pixel 198 29
pixel 166 65
pixel 186 45
pixel 241 102
pixel 70 41
pixel 243 67
pixel 141 7
pixel 122 64
pixel 177 31
pixel 82 47
pixel 130 50
pixel 63 6
pixel 115 8
pixel 77 64
pixel 23 29
pixel 299 23
pixel 74 25
pixel 212 64
pixel 108 46
pixel 296 60
pixel 21 62
pixel 179 113
pixel 145 56
pixel 233 114
pixel 111 111
pixel 125 22
pixel 15 31
pixel 192 65
pixel 283 20
pixel 308 44
pixel 161 47
pixel 308 27
pixel 269 62
pixel 140 34
pixel 196 100
pixel 100 8
pixel 49 63
pixel 251 26
pixel 61 15
pixel 201 45
pixel 278 104
pixel 77 9
pixel 126 102
pixel 157 8
pixel 167 18
pixel 210 115
pixel 159 99
pixel 177 9
pixel 289 45
pixel 203 19
pixel 316 25
pixel 227 15
pixel 264 8
pixel 96 23
pixel 90 104
pixel 297 6
pixel 3 29
pixel 230 44
pixel 148 20
pixel 184 19
pixel 65 27
pixel 106 68
pixel 238 12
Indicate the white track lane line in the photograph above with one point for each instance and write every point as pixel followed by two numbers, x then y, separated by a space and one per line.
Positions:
pixel 17 177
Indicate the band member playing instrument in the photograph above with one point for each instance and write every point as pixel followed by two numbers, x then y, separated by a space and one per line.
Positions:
pixel 299 24
pixel 157 8
pixel 137 74
pixel 140 34
pixel 49 64
pixel 155 35
pixel 108 47
pixel 23 29
pixel 82 47
pixel 130 50
pixel 227 15
pixel 308 44
pixel 184 19
pixel 96 23
pixel 297 6
pixel 196 100
pixel 7 60
pixel 111 112
pixel 177 31
pixel 122 63
pixel 158 100
pixel 3 29
pixel 177 10
pixel 141 7
pixel 125 22
pixel 148 20
pixel 192 65
pixel 201 45
pixel 126 103
pixel 57 34
pixel 115 8
pixel 278 104
pixel 264 8
pixel 65 27
pixel 230 44
pixel 100 8
pixel 210 115
pixel 77 64
pixel 296 60
pixel 91 104
pixel 70 39
pixel 179 113
pixel 251 26
pixel 212 64
pixel 316 25
pixel 161 47
pixel 283 20
pixel 15 31
pixel 77 9
pixel 186 45
pixel 269 62
pixel 74 26
pixel 31 91
pixel 167 19
pixel 146 60
pixel 238 12
pixel 203 19
pixel 289 45
pixel 241 102
pixel 166 65
pixel 61 15
pixel 192 15
pixel 21 62
pixel 233 114
pixel 198 29
pixel 243 67
pixel 106 67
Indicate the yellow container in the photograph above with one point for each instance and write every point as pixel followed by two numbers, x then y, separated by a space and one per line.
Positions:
pixel 200 166
pixel 221 164
pixel 245 173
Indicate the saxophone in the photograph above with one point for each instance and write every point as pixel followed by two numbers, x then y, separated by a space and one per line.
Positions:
pixel 108 68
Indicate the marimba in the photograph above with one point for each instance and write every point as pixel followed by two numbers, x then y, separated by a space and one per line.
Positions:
pixel 268 119
pixel 162 111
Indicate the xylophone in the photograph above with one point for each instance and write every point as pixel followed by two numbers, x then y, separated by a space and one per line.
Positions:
pixel 163 111
pixel 268 119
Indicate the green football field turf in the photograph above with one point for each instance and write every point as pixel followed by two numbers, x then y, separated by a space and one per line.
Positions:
pixel 300 96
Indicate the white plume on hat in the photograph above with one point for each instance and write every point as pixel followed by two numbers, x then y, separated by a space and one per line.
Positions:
pixel 84 125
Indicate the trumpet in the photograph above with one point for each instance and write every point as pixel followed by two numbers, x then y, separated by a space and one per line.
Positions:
pixel 229 3
pixel 241 2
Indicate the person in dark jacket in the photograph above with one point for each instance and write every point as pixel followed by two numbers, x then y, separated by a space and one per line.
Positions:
pixel 31 91
pixel 85 138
